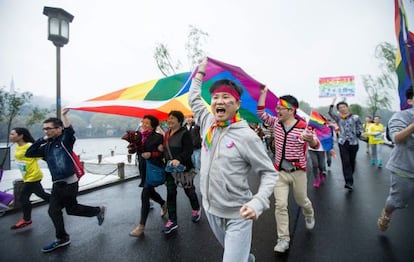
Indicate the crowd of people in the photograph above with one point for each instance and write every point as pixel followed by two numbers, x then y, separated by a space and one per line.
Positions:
pixel 213 143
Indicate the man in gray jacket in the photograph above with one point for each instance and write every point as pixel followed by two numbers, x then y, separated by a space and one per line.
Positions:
pixel 400 163
pixel 231 152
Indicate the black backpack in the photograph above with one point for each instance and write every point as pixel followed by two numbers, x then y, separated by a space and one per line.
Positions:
pixel 387 134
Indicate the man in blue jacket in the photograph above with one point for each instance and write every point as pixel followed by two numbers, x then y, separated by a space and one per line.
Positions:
pixel 55 148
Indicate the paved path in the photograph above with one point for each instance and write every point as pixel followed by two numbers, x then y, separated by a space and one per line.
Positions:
pixel 345 228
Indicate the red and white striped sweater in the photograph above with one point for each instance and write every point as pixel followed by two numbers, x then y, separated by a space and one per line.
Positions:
pixel 288 145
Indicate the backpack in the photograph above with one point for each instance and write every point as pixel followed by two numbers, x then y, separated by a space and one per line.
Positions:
pixel 387 134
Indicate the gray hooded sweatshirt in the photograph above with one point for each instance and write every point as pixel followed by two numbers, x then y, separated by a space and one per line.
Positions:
pixel 402 155
pixel 236 152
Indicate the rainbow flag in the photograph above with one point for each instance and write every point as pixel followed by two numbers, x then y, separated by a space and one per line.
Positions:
pixel 159 97
pixel 316 120
pixel 405 53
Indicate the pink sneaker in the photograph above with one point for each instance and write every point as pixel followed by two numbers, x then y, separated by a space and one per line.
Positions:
pixel 321 177
pixel 316 183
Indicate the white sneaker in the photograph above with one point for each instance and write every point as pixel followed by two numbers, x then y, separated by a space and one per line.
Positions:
pixel 282 245
pixel 310 222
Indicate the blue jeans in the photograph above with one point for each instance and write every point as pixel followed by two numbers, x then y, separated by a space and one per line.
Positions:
pixel 195 158
pixel 234 235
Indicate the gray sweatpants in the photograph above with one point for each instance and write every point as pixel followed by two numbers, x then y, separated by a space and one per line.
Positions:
pixel 234 235
pixel 401 189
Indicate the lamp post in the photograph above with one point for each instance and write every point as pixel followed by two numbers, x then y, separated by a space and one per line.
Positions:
pixel 58 33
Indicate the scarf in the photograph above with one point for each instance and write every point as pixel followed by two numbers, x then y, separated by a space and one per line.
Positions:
pixel 207 140
pixel 145 135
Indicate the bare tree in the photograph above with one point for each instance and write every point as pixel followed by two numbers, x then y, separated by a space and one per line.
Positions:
pixel 195 41
pixel 165 62
pixel 168 65
pixel 378 87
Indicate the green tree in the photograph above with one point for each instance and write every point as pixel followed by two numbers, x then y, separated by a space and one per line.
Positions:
pixel 37 115
pixel 378 87
pixel 11 103
pixel 356 109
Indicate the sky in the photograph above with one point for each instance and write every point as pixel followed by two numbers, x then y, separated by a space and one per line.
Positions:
pixel 287 45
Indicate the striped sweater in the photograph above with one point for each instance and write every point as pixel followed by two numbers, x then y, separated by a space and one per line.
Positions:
pixel 287 144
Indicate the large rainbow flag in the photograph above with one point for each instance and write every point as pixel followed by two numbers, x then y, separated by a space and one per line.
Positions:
pixel 405 53
pixel 159 97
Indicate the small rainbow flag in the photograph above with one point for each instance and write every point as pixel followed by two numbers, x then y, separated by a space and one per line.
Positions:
pixel 316 120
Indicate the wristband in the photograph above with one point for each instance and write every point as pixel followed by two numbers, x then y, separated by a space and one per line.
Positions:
pixel 201 73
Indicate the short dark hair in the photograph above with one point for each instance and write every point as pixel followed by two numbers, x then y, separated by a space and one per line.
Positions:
pixel 409 93
pixel 228 82
pixel 178 114
pixel 341 103
pixel 55 121
pixel 153 120
pixel 291 100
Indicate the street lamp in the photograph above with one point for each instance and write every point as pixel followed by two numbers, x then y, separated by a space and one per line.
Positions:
pixel 58 33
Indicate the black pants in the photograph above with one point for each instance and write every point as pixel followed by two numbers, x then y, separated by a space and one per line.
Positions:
pixel 348 155
pixel 148 193
pixel 172 197
pixel 64 196
pixel 28 189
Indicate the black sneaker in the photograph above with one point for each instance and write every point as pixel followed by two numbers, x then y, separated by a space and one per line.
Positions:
pixel 56 244
pixel 101 215
pixel 349 187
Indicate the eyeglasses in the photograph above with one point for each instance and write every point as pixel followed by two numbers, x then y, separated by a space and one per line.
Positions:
pixel 48 128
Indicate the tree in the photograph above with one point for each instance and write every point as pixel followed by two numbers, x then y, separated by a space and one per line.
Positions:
pixel 37 115
pixel 11 103
pixel 195 40
pixel 356 109
pixel 165 62
pixel 378 87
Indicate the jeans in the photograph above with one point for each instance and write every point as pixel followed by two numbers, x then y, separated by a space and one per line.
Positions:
pixel 195 158
pixel 317 162
pixel 27 190
pixel 376 153
pixel 234 235
pixel 64 196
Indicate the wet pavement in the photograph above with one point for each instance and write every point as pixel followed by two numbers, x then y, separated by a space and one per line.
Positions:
pixel 345 227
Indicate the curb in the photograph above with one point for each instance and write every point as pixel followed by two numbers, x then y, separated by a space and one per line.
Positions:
pixel 40 202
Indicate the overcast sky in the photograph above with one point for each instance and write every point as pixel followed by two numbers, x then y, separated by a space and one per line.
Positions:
pixel 287 45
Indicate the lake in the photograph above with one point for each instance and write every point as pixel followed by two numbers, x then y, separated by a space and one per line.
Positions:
pixel 89 148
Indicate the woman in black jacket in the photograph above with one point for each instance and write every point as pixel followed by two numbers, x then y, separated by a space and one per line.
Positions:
pixel 151 150
pixel 178 148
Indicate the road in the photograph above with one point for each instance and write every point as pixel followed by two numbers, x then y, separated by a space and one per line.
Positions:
pixel 345 227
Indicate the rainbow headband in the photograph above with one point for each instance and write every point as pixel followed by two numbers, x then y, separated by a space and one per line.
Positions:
pixel 286 104
pixel 227 89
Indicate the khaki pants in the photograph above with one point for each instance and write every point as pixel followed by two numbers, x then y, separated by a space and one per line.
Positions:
pixel 298 181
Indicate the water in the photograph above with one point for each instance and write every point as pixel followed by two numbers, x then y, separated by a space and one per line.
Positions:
pixel 89 148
